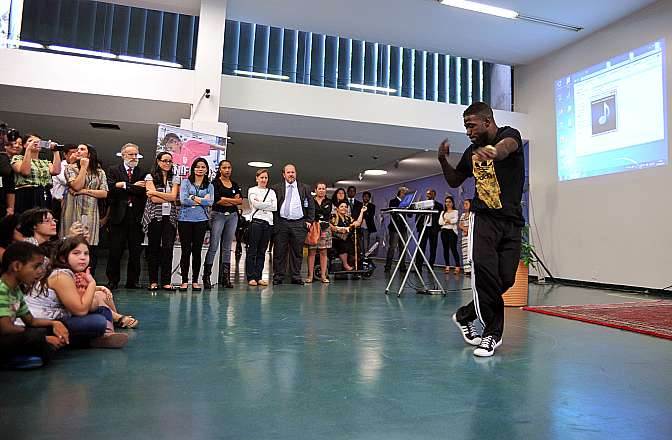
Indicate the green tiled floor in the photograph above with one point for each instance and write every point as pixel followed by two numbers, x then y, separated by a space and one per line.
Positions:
pixel 345 361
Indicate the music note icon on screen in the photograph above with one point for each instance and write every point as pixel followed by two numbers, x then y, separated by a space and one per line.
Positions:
pixel 605 116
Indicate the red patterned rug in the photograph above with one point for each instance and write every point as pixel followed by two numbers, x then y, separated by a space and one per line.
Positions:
pixel 649 317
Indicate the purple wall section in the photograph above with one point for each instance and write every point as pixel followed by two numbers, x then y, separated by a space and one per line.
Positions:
pixel 382 196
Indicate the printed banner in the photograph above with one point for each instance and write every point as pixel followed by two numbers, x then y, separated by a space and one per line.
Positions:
pixel 188 145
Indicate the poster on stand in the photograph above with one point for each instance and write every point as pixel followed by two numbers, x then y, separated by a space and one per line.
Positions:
pixel 185 147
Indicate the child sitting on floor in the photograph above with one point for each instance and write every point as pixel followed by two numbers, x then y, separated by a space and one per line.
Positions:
pixel 23 264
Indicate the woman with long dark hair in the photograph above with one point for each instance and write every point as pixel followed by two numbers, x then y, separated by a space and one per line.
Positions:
pixel 32 175
pixel 448 222
pixel 87 183
pixel 159 221
pixel 62 297
pixel 224 222
pixel 337 198
pixel 196 195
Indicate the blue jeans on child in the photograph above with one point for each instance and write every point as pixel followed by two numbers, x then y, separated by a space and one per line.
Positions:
pixel 84 328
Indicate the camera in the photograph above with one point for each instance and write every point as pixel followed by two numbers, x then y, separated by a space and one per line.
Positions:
pixel 12 134
pixel 47 145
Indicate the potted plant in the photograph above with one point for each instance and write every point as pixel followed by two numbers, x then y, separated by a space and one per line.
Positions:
pixel 516 296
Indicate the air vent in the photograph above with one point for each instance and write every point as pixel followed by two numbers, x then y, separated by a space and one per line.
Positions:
pixel 104 126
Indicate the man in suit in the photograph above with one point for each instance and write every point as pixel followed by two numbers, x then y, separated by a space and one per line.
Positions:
pixel 127 199
pixel 295 214
pixel 395 241
pixel 432 231
pixel 369 223
pixel 354 204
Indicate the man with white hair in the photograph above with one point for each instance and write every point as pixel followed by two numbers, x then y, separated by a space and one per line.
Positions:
pixel 127 198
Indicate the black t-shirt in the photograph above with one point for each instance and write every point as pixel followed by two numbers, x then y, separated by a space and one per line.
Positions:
pixel 498 193
pixel 229 193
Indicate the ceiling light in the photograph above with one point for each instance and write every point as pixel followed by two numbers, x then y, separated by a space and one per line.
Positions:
pixel 506 13
pixel 479 7
pixel 375 172
pixel 260 75
pixel 74 50
pixel 372 88
pixel 260 164
pixel 23 44
pixel 149 61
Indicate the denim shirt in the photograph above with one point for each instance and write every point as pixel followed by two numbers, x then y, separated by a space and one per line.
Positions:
pixel 190 211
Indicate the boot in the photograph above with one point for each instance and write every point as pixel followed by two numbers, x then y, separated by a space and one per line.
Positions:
pixel 225 275
pixel 207 271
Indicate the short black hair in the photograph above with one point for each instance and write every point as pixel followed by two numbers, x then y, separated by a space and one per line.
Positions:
pixel 20 251
pixel 30 219
pixel 366 193
pixel 69 147
pixel 352 187
pixel 479 109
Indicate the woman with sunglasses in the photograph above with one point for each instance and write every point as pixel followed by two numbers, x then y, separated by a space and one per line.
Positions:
pixel 159 221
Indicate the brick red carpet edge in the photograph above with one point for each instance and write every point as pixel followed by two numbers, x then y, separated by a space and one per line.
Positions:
pixel 652 318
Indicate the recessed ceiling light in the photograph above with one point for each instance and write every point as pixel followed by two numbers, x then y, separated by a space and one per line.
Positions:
pixel 260 75
pixel 375 172
pixel 23 44
pixel 260 164
pixel 93 53
pixel 371 88
pixel 479 7
pixel 149 61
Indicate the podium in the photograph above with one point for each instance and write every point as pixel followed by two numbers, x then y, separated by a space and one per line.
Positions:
pixel 406 240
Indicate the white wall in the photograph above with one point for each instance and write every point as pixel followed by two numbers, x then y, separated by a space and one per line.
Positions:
pixel 613 229
pixel 314 111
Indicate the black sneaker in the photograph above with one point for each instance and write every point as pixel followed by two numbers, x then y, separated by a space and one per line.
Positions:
pixel 487 346
pixel 468 331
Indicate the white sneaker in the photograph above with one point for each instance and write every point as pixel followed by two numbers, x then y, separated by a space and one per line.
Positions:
pixel 487 346
pixel 468 331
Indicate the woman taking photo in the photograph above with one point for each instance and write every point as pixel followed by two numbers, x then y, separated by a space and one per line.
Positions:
pixel 87 183
pixel 196 194
pixel 448 222
pixel 32 177
pixel 263 202
pixel 341 226
pixel 224 222
pixel 323 208
pixel 159 221
pixel 464 227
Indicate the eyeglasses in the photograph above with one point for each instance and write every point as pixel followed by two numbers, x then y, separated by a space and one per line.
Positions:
pixel 166 161
pixel 131 154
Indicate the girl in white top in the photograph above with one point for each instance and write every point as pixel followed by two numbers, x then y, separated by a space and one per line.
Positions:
pixel 448 221
pixel 263 202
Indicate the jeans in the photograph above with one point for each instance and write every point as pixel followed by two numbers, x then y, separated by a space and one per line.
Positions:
pixel 192 235
pixel 161 239
pixel 224 231
pixel 84 328
pixel 257 244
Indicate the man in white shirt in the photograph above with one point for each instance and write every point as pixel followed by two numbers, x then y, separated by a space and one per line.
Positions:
pixel 295 214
